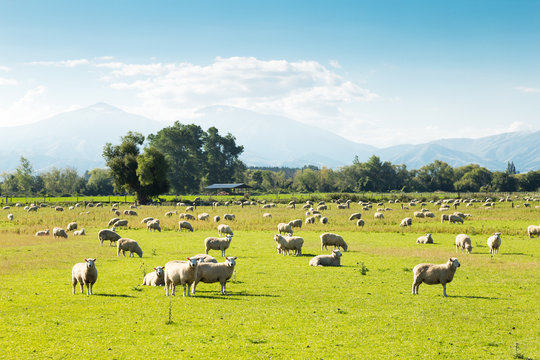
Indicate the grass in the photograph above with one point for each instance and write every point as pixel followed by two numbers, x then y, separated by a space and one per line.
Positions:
pixel 276 307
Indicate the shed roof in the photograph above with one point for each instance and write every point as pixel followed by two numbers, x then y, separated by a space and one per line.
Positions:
pixel 227 186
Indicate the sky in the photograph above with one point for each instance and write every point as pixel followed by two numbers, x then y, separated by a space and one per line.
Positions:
pixel 376 72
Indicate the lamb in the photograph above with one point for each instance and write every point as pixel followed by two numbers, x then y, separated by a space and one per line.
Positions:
pixel 224 229
pixel 296 223
pixel 287 243
pixel 84 273
pixel 215 243
pixel 79 232
pixel 10 217
pixel 212 273
pixel 59 232
pixel 378 215
pixel 107 234
pixel 205 258
pixel 155 278
pixel 184 225
pixel 426 239
pixel 533 230
pixel 285 228
pixel 464 242
pixel 180 272
pixel 452 219
pixel 143 221
pixel 333 239
pixel 153 225
pixel 360 223
pixel 72 226
pixel 327 260
pixel 406 222
pixel 125 244
pixel 324 220
pixel 203 216
pixel 43 233
pixel 355 216
pixel 217 218
pixel 432 274
pixel 494 242
pixel 229 217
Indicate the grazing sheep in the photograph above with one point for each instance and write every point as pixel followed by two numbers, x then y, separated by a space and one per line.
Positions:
pixel 130 212
pixel 79 232
pixel 267 215
pixel 287 243
pixel 180 272
pixel 205 258
pixel 229 217
pixel 419 214
pixel 464 242
pixel 215 243
pixel 285 228
pixel 72 226
pixel 224 229
pixel 107 234
pixel 59 232
pixel 343 206
pixel 360 223
pixel 324 220
pixel 217 218
pixel 122 222
pixel 184 225
pixel 327 260
pixel 6 208
pixel 533 230
pixel 460 214
pixel 406 222
pixel 153 225
pixel 333 239
pixel 355 216
pixel 59 208
pixel 494 242
pixel 10 217
pixel 296 223
pixel 43 233
pixel 85 274
pixel 143 221
pixel 322 207
pixel 189 208
pixel 311 220
pixel 432 274
pixel 378 215
pixel 186 216
pixel 155 278
pixel 203 216
pixel 452 219
pixel 426 239
pixel 169 214
pixel 212 273
pixel 429 214
pixel 32 208
pixel 125 244
pixel 117 212
pixel 444 217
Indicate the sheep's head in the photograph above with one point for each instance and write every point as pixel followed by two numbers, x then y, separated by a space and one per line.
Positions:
pixel 229 237
pixel 276 237
pixel 336 253
pixel 231 260
pixel 454 262
pixel 193 261
pixel 90 263
pixel 159 270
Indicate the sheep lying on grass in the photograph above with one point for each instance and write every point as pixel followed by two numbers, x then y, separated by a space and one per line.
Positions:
pixel 333 239
pixel 406 222
pixel 494 242
pixel 79 232
pixel 285 228
pixel 155 278
pixel 215 243
pixel 288 243
pixel 43 233
pixel 107 234
pixel 426 239
pixel 464 242
pixel 180 273
pixel 327 260
pixel 432 274
pixel 85 274
pixel 208 272
pixel 125 244
pixel 184 225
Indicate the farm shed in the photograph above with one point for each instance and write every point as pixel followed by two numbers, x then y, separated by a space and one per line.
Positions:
pixel 229 188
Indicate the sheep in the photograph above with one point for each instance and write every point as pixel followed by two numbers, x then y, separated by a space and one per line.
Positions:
pixel 378 215
pixel 217 218
pixel 460 214
pixel 10 217
pixel 311 220
pixel 333 239
pixel 360 223
pixel 432 274
pixel 72 226
pixel 205 258
pixel 84 273
pixel 184 225
pixel 143 221
pixel 343 206
pixel 224 229
pixel 229 217
pixel 494 242
pixel 32 208
pixel 355 216
pixel 464 242
pixel 215 243
pixel 180 272
pixel 406 222
pixel 212 273
pixel 426 239
pixel 59 232
pixel 285 228
pixel 43 233
pixel 125 244
pixel 327 260
pixel 169 214
pixel 130 212
pixel 419 214
pixel 444 217
pixel 155 278
pixel 287 243
pixel 267 215
pixel 153 225
pixel 6 208
pixel 186 216
pixel 122 222
pixel 533 230
pixel 322 207
pixel 203 216
pixel 59 208
pixel 452 219
pixel 429 214
pixel 189 208
pixel 324 220
pixel 107 234
pixel 79 232
pixel 117 212
pixel 296 223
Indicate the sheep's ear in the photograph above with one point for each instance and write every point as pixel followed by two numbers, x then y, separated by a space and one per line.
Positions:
pixel 85 259
pixel 188 258
pixel 155 268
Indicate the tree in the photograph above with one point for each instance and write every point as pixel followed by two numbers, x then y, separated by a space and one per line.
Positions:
pixel 60 182
pixel 221 157
pixel 503 182
pixel 23 175
pixel 510 168
pixel 152 173
pixel 100 182
pixel 306 180
pixel 473 180
pixel 436 176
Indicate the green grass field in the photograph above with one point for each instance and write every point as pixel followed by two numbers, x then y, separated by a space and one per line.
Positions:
pixel 276 306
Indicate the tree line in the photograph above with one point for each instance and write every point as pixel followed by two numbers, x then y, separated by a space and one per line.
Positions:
pixel 183 159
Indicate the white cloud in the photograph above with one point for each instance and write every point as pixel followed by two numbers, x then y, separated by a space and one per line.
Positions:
pixel 4 81
pixel 527 90
pixel 61 63
pixel 5 68
pixel 334 64
pixel 29 108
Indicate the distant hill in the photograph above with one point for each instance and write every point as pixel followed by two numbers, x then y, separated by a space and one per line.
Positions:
pixel 76 139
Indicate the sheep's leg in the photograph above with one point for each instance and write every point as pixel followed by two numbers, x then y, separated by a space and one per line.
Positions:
pixel 87 290
pixel 223 290
pixel 74 284
pixel 82 287
pixel 91 288
pixel 193 287
pixel 166 289
pixel 444 289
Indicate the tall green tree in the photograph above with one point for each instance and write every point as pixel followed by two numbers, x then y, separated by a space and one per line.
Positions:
pixel 24 176
pixel 222 163
pixel 100 182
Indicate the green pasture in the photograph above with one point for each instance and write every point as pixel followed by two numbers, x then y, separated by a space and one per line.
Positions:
pixel 277 306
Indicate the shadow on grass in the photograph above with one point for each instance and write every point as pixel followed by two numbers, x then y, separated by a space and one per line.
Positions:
pixel 219 297
pixel 522 254
pixel 473 297
pixel 115 295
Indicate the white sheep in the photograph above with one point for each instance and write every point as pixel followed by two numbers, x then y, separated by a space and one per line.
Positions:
pixel 323 220
pixel 180 272
pixel 169 214
pixel 224 229
pixel 215 243
pixel 205 258
pixel 333 239
pixel 360 223
pixel 287 243
pixel 155 278
pixel 432 274
pixel 419 214
pixel 444 217
pixel 186 216
pixel 327 260
pixel 229 217
pixel 378 215
pixel 267 215
pixel 72 226
pixel 406 222
pixel 184 225
pixel 533 230
pixel 296 223
pixel 43 233
pixel 203 216
pixel 122 222
pixel 217 218
pixel 107 234
pixel 212 273
pixel 153 225
pixel 10 217
pixel 355 216
pixel 59 232
pixel 143 221
pixel 79 232
pixel 463 241
pixel 59 208
pixel 125 244
pixel 285 228
pixel 85 274
pixel 429 214
pixel 452 219
pixel 426 239
pixel 311 220
pixel 130 212
pixel 494 242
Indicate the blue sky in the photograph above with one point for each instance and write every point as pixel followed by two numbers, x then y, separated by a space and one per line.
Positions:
pixel 377 72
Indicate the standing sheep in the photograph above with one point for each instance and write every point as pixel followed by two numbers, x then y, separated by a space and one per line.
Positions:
pixel 180 272
pixel 333 239
pixel 426 239
pixel 378 215
pixel 287 243
pixel 125 244
pixel 360 223
pixel 85 274
pixel 203 216
pixel 59 232
pixel 71 226
pixel 214 243
pixel 432 274
pixel 444 217
pixel 217 218
pixel 209 272
pixel 452 219
pixel 296 223
pixel 184 225
pixel 406 222
pixel 107 234
pixel 229 217
pixel 267 215
pixel 122 222
pixel 494 242
pixel 155 278
pixel 224 229
pixel 153 225
pixel 311 220
pixel 327 260
pixel 533 230
pixel 355 216
pixel 285 228
pixel 464 242
pixel 10 217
